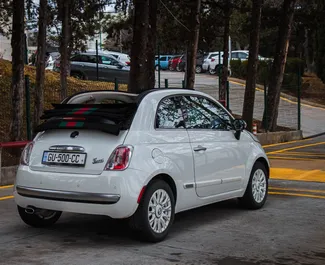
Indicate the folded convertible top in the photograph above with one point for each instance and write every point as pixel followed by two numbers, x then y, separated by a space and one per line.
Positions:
pixel 109 118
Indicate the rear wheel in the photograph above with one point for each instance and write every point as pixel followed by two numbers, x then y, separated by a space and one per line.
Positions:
pixel 155 213
pixel 212 71
pixel 170 68
pixel 257 188
pixel 198 69
pixel 78 76
pixel 40 218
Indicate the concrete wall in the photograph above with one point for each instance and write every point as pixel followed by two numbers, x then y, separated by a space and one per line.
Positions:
pixel 8 175
pixel 279 137
pixel 5 48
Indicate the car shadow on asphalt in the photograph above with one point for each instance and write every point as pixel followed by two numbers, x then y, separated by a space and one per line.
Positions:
pixel 78 229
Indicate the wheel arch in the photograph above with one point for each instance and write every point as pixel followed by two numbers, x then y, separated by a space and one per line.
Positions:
pixel 168 179
pixel 264 162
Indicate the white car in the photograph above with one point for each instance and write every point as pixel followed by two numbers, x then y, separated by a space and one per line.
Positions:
pixel 142 157
pixel 235 55
pixel 207 60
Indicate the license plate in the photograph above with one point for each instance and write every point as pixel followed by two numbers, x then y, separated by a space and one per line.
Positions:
pixel 60 158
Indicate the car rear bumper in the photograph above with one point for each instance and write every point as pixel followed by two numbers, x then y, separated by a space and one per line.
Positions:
pixel 114 194
pixel 68 196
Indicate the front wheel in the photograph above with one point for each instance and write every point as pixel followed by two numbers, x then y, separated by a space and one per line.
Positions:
pixel 155 213
pixel 257 188
pixel 40 217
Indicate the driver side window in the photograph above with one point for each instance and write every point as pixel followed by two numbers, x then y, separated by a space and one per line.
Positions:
pixel 201 113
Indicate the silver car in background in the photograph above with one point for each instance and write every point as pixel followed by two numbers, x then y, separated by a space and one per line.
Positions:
pixel 84 66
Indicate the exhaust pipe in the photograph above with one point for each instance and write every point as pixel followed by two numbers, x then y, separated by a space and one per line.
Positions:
pixel 30 210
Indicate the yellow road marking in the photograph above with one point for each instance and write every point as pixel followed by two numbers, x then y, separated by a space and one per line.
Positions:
pixel 6 187
pixel 296 194
pixel 297 174
pixel 294 189
pixel 294 158
pixel 291 142
pixel 283 98
pixel 305 153
pixel 6 198
pixel 294 148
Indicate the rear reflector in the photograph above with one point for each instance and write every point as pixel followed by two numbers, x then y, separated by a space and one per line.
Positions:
pixel 141 194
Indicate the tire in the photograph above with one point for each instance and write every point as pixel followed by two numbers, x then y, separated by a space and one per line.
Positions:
pixel 198 69
pixel 140 220
pixel 178 69
pixel 250 201
pixel 78 76
pixel 37 220
pixel 157 67
pixel 212 71
pixel 170 68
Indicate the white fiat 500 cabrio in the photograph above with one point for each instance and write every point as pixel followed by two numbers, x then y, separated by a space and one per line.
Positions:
pixel 142 158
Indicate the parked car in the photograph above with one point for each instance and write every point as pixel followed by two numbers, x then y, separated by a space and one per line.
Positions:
pixel 122 57
pixel 173 62
pixel 235 55
pixel 183 61
pixel 84 66
pixel 94 156
pixel 163 62
pixel 207 60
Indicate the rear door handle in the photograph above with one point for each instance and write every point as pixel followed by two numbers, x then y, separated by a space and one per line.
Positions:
pixel 199 148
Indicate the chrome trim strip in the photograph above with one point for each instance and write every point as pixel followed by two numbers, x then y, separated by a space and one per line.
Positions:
pixel 68 196
pixel 70 148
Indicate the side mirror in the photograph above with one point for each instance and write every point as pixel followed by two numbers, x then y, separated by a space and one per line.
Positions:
pixel 239 126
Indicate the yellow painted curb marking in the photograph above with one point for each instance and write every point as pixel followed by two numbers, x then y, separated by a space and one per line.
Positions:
pixel 294 148
pixel 296 194
pixel 297 174
pixel 6 187
pixel 294 158
pixel 6 198
pixel 294 189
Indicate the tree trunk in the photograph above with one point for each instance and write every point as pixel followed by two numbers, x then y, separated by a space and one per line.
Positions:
pixel 64 8
pixel 152 41
pixel 17 85
pixel 224 74
pixel 138 75
pixel 193 44
pixel 40 67
pixel 248 107
pixel 280 58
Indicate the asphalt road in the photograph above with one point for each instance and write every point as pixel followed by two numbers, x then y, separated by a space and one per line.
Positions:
pixel 312 118
pixel 288 230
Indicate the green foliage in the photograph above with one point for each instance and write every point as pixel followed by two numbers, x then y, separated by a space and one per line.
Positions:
pixel 295 65
pixel 290 78
pixel 5 14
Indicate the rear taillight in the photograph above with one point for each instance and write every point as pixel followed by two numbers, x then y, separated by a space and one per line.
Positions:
pixel 24 159
pixel 128 63
pixel 212 60
pixel 120 158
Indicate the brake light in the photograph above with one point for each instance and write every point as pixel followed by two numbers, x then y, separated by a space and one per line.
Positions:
pixel 25 155
pixel 120 158
pixel 212 60
pixel 128 63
